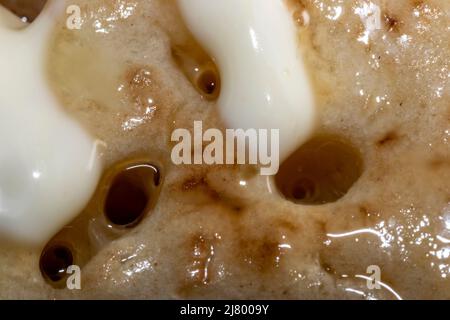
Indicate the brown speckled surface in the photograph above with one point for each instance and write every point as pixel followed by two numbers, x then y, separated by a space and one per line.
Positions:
pixel 209 236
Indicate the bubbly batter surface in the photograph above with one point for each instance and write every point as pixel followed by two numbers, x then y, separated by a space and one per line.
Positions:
pixel 226 232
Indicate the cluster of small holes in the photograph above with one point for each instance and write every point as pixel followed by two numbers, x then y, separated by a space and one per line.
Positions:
pixel 127 192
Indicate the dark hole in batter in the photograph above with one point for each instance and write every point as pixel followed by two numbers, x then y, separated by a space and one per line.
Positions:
pixel 321 171
pixel 54 261
pixel 199 69
pixel 130 194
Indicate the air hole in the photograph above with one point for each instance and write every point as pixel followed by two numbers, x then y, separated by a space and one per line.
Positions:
pixel 198 68
pixel 303 189
pixel 54 261
pixel 130 194
pixel 27 10
pixel 321 171
pixel 208 83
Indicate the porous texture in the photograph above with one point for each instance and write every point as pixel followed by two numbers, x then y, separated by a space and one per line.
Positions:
pixel 210 236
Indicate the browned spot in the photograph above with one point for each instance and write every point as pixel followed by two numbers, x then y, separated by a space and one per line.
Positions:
pixel 392 23
pixel 363 210
pixel 265 250
pixel 263 254
pixel 417 3
pixel 199 183
pixel 142 87
pixel 321 227
pixel 388 138
pixel 288 225
pixel 192 183
pixel 439 163
pixel 326 265
pixel 367 214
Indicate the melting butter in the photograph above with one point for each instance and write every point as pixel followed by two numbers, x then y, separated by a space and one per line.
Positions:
pixel 264 81
pixel 49 166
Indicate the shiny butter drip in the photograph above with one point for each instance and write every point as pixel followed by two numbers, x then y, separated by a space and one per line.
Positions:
pixel 264 82
pixel 48 164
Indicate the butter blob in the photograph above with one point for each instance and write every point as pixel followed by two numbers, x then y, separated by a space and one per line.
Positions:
pixel 264 81
pixel 49 166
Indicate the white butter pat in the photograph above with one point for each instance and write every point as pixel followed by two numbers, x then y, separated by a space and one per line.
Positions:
pixel 264 81
pixel 49 166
